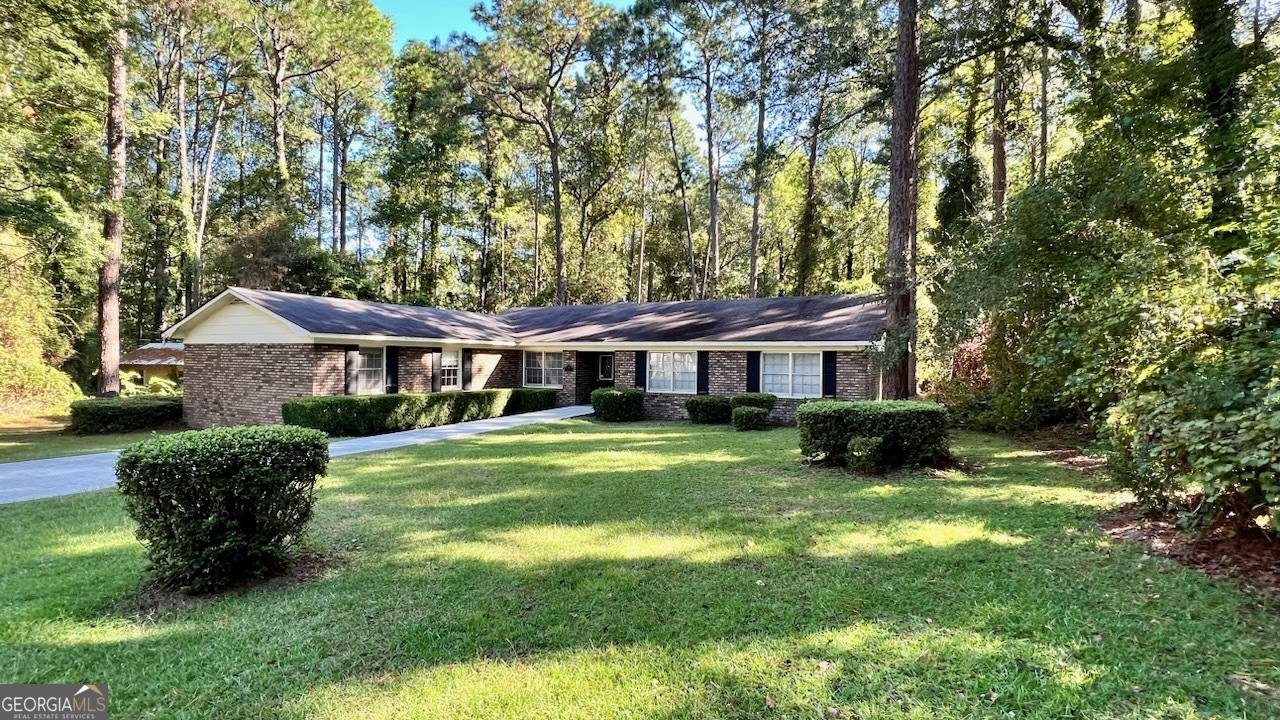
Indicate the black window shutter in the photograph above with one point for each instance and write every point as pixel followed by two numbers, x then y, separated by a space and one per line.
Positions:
pixel 704 372
pixel 435 370
pixel 352 386
pixel 393 369
pixel 753 371
pixel 828 373
pixel 642 369
pixel 466 369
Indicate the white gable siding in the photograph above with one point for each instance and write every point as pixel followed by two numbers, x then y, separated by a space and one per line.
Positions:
pixel 240 322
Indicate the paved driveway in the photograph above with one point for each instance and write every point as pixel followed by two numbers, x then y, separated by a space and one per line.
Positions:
pixel 33 479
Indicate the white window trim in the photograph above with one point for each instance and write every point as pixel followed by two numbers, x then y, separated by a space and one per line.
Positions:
pixel 383 352
pixel 600 364
pixel 457 353
pixel 648 372
pixel 524 377
pixel 791 373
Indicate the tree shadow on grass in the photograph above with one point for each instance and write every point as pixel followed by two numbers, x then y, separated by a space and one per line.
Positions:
pixel 728 572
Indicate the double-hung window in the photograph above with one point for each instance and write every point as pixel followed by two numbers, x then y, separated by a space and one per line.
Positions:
pixel 543 369
pixel 371 375
pixel 674 372
pixel 451 370
pixel 791 374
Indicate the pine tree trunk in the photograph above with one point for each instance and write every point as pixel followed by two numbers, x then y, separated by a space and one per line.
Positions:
pixel 684 203
pixel 903 201
pixel 113 222
pixel 557 212
pixel 711 279
pixel 757 178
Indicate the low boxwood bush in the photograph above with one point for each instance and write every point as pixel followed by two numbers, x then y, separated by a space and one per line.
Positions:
pixel 612 405
pixel 747 417
pixel 360 415
pixel 912 433
pixel 766 401
pixel 217 506
pixel 709 409
pixel 525 400
pixel 865 454
pixel 123 414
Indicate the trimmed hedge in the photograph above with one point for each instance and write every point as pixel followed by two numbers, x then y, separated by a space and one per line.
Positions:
pixel 748 417
pixel 123 414
pixel 525 400
pixel 912 433
pixel 360 415
pixel 611 405
pixel 217 506
pixel 865 454
pixel 762 400
pixel 709 409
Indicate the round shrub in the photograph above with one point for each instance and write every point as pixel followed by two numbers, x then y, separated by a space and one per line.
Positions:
pixel 747 417
pixel 217 506
pixel 709 409
pixel 912 433
pixel 611 405
pixel 865 454
pixel 765 401
pixel 124 414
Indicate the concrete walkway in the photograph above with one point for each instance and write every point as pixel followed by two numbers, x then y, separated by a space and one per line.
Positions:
pixel 33 479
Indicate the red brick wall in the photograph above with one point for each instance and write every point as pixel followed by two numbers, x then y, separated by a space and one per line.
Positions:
pixel 496 369
pixel 624 369
pixel 568 393
pixel 415 369
pixel 245 384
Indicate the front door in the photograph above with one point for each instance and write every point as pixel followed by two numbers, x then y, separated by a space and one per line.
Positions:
pixel 595 370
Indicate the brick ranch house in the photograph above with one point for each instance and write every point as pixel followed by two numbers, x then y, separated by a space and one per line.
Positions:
pixel 248 351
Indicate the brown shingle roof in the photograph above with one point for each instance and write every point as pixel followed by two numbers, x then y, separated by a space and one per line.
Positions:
pixel 824 318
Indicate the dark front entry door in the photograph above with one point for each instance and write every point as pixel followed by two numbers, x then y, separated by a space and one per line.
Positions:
pixel 595 370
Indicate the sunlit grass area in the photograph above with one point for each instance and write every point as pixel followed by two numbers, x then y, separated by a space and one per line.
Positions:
pixel 33 437
pixel 580 570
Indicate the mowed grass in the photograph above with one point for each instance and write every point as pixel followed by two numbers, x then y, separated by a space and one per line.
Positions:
pixel 581 570
pixel 46 436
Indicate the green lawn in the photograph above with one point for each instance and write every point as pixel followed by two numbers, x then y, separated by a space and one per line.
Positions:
pixel 578 570
pixel 46 437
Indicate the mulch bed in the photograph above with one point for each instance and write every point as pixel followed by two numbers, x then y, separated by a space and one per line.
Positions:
pixel 1250 558
pixel 155 599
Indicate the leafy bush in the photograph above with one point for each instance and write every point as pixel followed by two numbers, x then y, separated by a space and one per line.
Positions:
pixel 525 400
pixel 1205 420
pixel 132 385
pixel 360 415
pixel 709 409
pixel 104 415
pixel 765 401
pixel 217 506
pixel 865 454
pixel 612 405
pixel 747 417
pixel 912 433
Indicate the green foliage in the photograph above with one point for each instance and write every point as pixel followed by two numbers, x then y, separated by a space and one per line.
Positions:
pixel 525 400
pixel 30 341
pixel 866 454
pixel 750 417
pixel 217 506
pixel 764 401
pixel 912 433
pixel 131 385
pixel 618 405
pixel 360 415
pixel 110 415
pixel 709 409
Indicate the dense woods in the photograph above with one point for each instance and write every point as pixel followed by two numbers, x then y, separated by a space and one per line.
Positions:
pixel 1071 204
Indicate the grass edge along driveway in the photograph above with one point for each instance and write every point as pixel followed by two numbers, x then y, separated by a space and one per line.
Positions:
pixel 581 570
